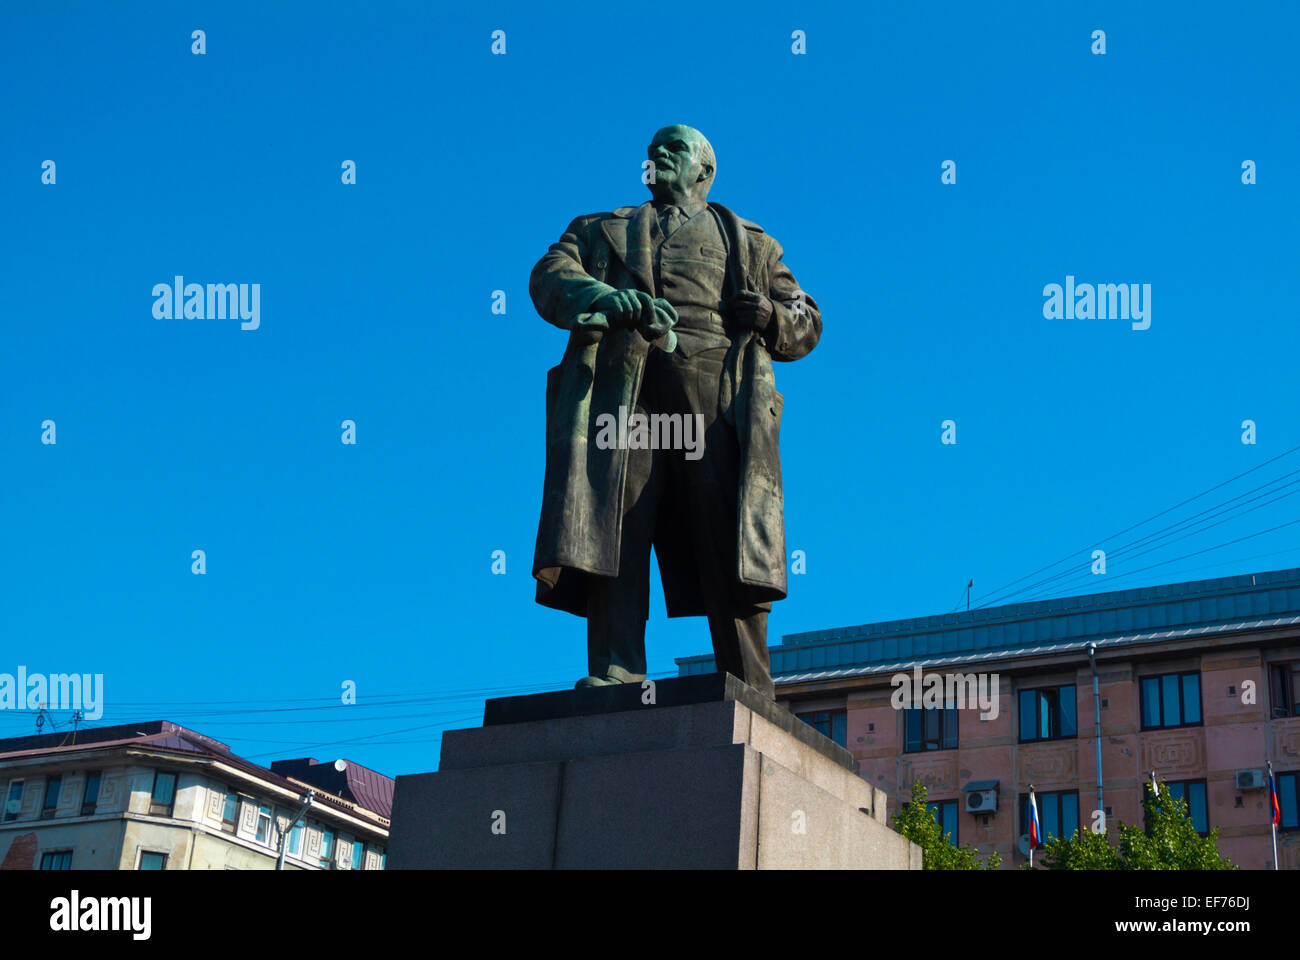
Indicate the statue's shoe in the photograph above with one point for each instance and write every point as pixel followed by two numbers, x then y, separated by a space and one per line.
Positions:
pixel 587 683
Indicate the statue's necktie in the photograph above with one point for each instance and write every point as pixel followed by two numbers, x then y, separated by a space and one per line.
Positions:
pixel 670 219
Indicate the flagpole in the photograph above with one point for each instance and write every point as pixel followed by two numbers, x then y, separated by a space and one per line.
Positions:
pixel 1272 820
pixel 1034 810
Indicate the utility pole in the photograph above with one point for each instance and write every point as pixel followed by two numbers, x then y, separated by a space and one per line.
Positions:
pixel 1096 726
pixel 297 818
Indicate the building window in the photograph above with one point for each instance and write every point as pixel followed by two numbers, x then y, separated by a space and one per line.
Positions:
pixel 14 802
pixel 230 813
pixel 57 860
pixel 1193 792
pixel 90 798
pixel 1048 714
pixel 52 787
pixel 1286 800
pixel 928 728
pixel 152 861
pixel 945 811
pixel 358 854
pixel 1058 813
pixel 326 848
pixel 832 724
pixel 263 824
pixel 164 794
pixel 1171 700
pixel 295 839
pixel 1284 684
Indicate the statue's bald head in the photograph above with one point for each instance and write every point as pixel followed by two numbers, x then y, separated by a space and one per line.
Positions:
pixel 684 163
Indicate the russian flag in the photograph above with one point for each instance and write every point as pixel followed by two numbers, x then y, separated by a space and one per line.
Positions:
pixel 1272 798
pixel 1035 828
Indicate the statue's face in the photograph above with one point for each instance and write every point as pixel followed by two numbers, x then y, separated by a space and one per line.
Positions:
pixel 675 152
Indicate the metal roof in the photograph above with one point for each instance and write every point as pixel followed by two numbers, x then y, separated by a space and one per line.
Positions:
pixel 1044 649
pixel 167 736
pixel 368 788
pixel 1141 615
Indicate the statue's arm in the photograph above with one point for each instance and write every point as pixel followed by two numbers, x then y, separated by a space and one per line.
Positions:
pixel 796 323
pixel 560 285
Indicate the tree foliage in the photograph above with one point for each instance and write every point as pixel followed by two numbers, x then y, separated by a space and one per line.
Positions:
pixel 1168 841
pixel 920 825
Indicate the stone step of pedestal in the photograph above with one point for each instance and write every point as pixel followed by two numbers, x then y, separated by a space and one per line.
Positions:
pixel 662 728
pixel 658 695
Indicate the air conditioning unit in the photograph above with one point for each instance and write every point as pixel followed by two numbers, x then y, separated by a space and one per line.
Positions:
pixel 981 801
pixel 1250 779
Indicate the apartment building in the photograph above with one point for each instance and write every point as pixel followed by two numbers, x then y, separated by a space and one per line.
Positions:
pixel 158 796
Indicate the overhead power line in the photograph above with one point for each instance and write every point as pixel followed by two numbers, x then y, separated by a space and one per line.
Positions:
pixel 1080 577
pixel 1001 595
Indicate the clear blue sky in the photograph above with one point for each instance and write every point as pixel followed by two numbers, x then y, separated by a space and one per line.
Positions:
pixel 372 563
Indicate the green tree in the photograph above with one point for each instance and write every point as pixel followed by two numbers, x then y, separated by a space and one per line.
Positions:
pixel 1167 841
pixel 919 824
pixel 1083 851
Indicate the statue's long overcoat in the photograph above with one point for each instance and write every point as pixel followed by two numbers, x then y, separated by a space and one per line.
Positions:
pixel 582 498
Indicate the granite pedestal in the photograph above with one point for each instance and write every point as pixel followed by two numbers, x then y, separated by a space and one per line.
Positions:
pixel 709 775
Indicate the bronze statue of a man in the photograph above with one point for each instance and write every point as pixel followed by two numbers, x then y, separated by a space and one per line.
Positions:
pixel 675 311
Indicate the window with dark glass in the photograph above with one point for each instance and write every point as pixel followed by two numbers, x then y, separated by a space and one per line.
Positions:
pixel 52 787
pixel 945 812
pixel 929 728
pixel 1283 687
pixel 57 860
pixel 1286 800
pixel 358 851
pixel 1058 813
pixel 1194 794
pixel 1171 700
pixel 829 723
pixel 90 797
pixel 164 794
pixel 1049 713
pixel 327 848
pixel 14 801
pixel 153 861
pixel 230 813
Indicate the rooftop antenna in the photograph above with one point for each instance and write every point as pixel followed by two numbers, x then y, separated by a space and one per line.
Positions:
pixel 77 717
pixel 968 586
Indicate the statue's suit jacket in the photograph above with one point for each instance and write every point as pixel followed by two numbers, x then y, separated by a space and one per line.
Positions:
pixel 582 499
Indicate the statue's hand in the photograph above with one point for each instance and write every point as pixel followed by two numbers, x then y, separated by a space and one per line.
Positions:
pixel 750 310
pixel 623 308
